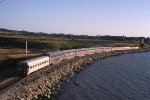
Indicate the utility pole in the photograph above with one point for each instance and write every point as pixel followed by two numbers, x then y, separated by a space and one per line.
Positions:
pixel 26 47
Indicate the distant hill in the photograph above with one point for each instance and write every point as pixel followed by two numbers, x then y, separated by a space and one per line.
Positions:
pixel 6 31
pixel 70 36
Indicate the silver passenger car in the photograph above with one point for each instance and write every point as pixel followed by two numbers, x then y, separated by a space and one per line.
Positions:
pixel 28 66
pixel 31 65
pixel 69 54
pixel 56 57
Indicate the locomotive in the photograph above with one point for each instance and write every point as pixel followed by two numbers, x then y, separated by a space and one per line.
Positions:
pixel 31 65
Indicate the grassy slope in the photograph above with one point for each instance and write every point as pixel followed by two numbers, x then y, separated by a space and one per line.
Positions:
pixel 12 47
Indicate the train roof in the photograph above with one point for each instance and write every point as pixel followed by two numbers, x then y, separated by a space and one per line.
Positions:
pixel 34 59
pixel 71 50
pixel 61 52
pixel 55 53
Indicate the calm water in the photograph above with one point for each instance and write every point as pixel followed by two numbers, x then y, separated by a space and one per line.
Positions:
pixel 125 77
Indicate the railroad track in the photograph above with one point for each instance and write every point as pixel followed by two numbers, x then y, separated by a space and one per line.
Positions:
pixel 8 82
pixel 8 78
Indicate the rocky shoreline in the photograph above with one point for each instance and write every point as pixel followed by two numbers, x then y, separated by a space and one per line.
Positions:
pixel 45 84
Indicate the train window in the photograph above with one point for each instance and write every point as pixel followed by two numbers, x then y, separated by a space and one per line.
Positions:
pixel 30 67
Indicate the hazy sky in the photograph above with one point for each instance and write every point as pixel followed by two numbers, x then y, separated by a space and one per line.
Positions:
pixel 91 17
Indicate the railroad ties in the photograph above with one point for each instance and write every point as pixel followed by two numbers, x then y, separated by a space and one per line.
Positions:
pixel 7 78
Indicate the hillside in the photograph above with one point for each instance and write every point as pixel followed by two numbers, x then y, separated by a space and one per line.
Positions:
pixel 12 44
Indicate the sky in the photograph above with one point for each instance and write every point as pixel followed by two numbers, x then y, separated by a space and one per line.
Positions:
pixel 80 17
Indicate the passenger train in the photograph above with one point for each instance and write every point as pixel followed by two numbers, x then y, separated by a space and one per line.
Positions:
pixel 31 65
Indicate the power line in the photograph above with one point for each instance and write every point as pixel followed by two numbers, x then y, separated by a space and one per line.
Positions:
pixel 2 1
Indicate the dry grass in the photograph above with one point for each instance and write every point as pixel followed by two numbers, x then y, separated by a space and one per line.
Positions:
pixel 10 57
pixel 12 47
